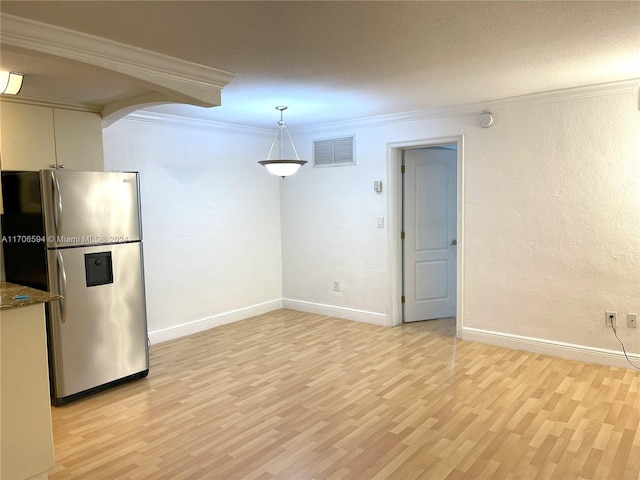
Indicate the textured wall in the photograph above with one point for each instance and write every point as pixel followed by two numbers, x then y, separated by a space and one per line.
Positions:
pixel 211 219
pixel 329 232
pixel 553 221
pixel 552 218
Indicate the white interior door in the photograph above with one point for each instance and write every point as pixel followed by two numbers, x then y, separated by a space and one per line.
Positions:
pixel 430 233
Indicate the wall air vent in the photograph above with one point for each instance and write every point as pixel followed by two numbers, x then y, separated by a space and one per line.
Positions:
pixel 333 152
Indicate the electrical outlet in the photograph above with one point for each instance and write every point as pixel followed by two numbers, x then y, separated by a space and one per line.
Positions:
pixel 611 317
pixel 336 285
pixel 632 320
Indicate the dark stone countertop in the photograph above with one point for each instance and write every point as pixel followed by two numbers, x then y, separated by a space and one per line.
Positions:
pixel 9 291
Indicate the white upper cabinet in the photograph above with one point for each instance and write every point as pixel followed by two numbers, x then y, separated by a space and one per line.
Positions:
pixel 78 140
pixel 36 137
pixel 27 137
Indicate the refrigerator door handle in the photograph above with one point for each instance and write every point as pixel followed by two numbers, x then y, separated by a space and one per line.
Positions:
pixel 62 287
pixel 57 203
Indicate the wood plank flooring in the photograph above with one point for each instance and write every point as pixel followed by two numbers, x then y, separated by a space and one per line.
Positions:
pixel 291 395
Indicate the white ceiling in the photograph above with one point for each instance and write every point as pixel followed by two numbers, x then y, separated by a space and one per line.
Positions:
pixel 339 60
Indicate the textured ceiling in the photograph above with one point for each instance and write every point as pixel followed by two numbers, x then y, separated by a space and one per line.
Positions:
pixel 331 61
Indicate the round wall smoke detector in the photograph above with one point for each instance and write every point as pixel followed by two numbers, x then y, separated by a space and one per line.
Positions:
pixel 486 120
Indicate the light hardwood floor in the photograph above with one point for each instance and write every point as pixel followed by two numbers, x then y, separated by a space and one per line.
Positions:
pixel 291 395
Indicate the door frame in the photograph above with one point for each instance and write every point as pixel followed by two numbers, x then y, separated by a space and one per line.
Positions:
pixel 394 216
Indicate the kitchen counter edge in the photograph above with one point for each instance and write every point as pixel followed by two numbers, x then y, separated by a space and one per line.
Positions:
pixel 9 292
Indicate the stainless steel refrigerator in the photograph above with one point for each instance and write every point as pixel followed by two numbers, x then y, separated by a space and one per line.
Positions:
pixel 78 234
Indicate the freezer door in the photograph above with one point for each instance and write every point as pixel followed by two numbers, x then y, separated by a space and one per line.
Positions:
pixel 87 208
pixel 98 332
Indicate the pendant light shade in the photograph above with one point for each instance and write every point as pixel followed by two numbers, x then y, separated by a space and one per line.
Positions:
pixel 10 83
pixel 282 168
pixel 284 165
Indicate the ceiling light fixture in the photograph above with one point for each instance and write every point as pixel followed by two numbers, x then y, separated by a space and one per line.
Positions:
pixel 10 83
pixel 284 166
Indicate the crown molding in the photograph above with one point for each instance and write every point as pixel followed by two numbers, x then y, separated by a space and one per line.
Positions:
pixel 187 82
pixel 472 109
pixel 168 119
pixel 589 91
pixel 53 103
pixel 568 94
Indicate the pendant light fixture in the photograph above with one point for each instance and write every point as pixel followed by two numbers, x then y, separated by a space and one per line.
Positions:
pixel 284 165
pixel 10 83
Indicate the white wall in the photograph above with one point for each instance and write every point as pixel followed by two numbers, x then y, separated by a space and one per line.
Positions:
pixel 552 223
pixel 329 220
pixel 211 223
pixel 329 233
pixel 564 224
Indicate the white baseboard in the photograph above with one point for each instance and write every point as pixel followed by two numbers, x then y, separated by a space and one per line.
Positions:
pixel 195 326
pixel 338 312
pixel 569 351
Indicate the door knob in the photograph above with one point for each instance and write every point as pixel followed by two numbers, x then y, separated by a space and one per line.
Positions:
pixel 453 243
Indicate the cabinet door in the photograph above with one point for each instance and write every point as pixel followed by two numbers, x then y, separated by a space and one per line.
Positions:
pixel 78 140
pixel 27 436
pixel 26 136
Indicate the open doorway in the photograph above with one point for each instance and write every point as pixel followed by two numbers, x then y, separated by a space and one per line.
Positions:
pixel 433 183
